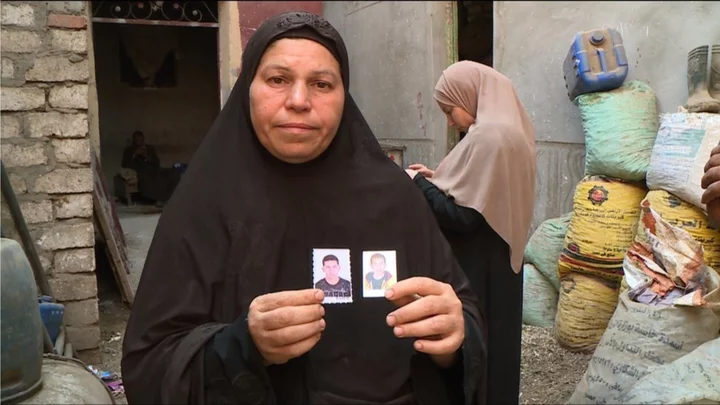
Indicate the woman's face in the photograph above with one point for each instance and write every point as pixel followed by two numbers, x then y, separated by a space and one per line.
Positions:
pixel 296 99
pixel 457 117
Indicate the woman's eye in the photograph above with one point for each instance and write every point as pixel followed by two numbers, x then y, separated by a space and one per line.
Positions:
pixel 277 80
pixel 324 85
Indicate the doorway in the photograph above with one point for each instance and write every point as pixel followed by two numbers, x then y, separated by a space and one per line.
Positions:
pixel 475 31
pixel 160 80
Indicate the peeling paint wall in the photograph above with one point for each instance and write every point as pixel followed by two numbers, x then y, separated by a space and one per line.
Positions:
pixel 532 40
pixel 397 52
pixel 253 13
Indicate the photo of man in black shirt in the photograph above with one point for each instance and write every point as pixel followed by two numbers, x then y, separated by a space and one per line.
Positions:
pixel 333 285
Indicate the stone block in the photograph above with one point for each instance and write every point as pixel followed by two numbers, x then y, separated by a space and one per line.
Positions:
pixel 73 287
pixel 69 96
pixel 74 22
pixel 75 261
pixel 24 155
pixel 45 262
pixel 8 68
pixel 91 356
pixel 72 150
pixel 21 15
pixel 81 313
pixel 19 41
pixel 61 181
pixel 63 236
pixel 36 212
pixel 18 184
pixel 74 206
pixel 58 69
pixel 70 41
pixel 10 126
pixel 22 98
pixel 38 125
pixel 84 337
pixel 66 6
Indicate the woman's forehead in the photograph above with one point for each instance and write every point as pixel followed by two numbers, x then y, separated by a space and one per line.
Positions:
pixel 290 54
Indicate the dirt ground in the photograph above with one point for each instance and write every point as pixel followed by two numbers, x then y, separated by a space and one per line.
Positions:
pixel 548 376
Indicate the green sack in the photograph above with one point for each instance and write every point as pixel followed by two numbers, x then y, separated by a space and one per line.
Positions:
pixel 620 129
pixel 545 245
pixel 539 299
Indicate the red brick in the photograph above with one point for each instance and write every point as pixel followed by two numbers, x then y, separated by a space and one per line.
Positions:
pixel 67 21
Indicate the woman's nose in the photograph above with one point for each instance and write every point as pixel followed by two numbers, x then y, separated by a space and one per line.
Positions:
pixel 298 99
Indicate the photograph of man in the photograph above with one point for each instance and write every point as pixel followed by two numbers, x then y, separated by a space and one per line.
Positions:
pixel 333 285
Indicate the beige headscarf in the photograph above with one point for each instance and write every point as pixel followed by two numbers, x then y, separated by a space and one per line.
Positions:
pixel 493 168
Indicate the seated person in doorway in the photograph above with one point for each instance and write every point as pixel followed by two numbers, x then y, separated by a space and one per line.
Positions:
pixel 155 183
pixel 333 285
pixel 379 278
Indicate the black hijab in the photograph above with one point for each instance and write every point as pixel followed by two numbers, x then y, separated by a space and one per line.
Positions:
pixel 242 224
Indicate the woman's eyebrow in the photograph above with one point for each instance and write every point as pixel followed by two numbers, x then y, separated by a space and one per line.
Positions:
pixel 313 73
pixel 324 72
pixel 277 67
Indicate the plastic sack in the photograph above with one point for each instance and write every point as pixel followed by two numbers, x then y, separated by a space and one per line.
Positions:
pixel 620 129
pixel 681 150
pixel 686 217
pixel 684 381
pixel 642 337
pixel 545 245
pixel 602 227
pixel 585 305
pixel 539 298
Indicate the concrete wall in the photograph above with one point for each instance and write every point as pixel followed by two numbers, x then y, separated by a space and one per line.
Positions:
pixel 397 52
pixel 175 119
pixel 46 150
pixel 531 42
pixel 229 47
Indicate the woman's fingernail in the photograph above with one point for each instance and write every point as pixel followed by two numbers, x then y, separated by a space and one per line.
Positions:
pixel 322 324
pixel 322 311
pixel 389 294
pixel 418 346
pixel 390 320
pixel 319 295
pixel 398 331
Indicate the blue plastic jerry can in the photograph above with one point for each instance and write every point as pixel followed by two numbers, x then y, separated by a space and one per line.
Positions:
pixel 596 62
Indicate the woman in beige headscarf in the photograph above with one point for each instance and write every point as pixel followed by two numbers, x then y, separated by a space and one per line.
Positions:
pixel 482 195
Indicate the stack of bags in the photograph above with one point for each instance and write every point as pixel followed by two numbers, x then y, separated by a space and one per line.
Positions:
pixel 624 149
pixel 662 343
pixel 671 310
pixel 620 128
pixel 581 253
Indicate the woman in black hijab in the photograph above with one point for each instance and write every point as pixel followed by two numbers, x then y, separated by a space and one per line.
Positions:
pixel 225 313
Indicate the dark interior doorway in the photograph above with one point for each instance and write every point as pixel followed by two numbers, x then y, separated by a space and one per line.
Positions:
pixel 475 31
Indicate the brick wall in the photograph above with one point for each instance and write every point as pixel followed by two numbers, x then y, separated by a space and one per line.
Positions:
pixel 46 150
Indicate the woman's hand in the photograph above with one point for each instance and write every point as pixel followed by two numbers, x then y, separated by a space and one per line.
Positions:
pixel 431 312
pixel 286 324
pixel 427 173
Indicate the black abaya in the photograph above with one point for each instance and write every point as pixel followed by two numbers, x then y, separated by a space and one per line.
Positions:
pixel 242 224
pixel 484 257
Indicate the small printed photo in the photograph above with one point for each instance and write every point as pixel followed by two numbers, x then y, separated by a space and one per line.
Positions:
pixel 379 272
pixel 331 273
